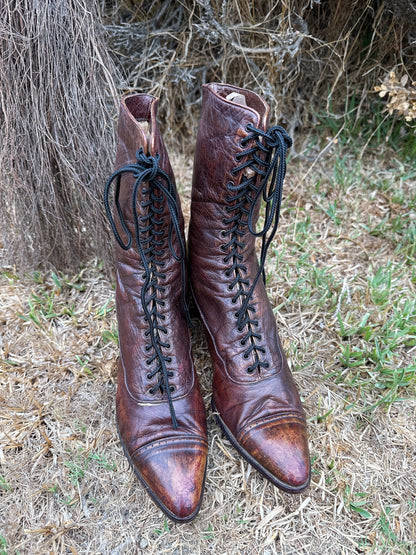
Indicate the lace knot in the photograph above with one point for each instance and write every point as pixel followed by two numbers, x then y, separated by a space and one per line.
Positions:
pixel 150 164
pixel 276 135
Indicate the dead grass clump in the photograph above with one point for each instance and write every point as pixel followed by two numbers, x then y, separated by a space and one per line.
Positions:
pixel 56 131
pixel 302 56
pixel 56 90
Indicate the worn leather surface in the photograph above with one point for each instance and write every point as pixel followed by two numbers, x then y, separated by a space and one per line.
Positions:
pixel 170 462
pixel 260 411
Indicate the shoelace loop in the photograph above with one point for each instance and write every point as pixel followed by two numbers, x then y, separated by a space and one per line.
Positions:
pixel 147 170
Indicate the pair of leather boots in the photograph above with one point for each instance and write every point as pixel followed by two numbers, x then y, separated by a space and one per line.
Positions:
pixel 239 164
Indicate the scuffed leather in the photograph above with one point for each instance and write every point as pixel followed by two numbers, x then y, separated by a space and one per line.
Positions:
pixel 156 450
pixel 261 411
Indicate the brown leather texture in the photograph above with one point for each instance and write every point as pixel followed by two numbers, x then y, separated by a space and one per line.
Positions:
pixel 260 411
pixel 170 462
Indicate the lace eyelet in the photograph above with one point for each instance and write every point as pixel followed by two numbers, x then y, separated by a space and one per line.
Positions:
pixel 239 328
pixel 223 248
pixel 148 362
pixel 238 156
pixel 149 376
pixel 168 359
pixel 172 388
pixel 223 233
pixel 233 301
pixel 151 392
pixel 250 370
pixel 267 365
pixel 147 348
pixel 246 356
pixel 242 342
pixel 230 287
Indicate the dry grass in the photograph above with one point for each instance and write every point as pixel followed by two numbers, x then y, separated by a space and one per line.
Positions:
pixel 57 106
pixel 58 83
pixel 303 56
pixel 65 485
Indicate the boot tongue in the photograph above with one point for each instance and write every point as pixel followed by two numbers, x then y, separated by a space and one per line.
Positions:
pixel 145 127
pixel 262 108
pixel 237 98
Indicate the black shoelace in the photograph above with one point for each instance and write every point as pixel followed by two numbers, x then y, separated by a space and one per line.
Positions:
pixel 266 181
pixel 150 241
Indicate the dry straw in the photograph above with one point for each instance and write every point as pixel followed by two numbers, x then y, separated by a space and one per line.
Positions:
pixel 304 56
pixel 57 89
pixel 56 131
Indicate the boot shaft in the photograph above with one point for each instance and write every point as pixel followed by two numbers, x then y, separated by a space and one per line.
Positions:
pixel 238 162
pixel 222 128
pixel 233 154
pixel 234 163
pixel 150 257
pixel 138 129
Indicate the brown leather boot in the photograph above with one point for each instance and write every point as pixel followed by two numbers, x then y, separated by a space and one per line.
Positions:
pixel 239 161
pixel 160 412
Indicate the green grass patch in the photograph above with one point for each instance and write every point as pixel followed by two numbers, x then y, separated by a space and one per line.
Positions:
pixel 369 129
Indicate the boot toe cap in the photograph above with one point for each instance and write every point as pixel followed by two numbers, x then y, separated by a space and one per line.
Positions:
pixel 173 473
pixel 279 449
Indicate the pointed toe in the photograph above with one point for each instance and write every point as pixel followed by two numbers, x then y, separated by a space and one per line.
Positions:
pixel 173 473
pixel 279 449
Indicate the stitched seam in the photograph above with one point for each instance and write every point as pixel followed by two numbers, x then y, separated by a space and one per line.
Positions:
pixel 172 441
pixel 269 421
